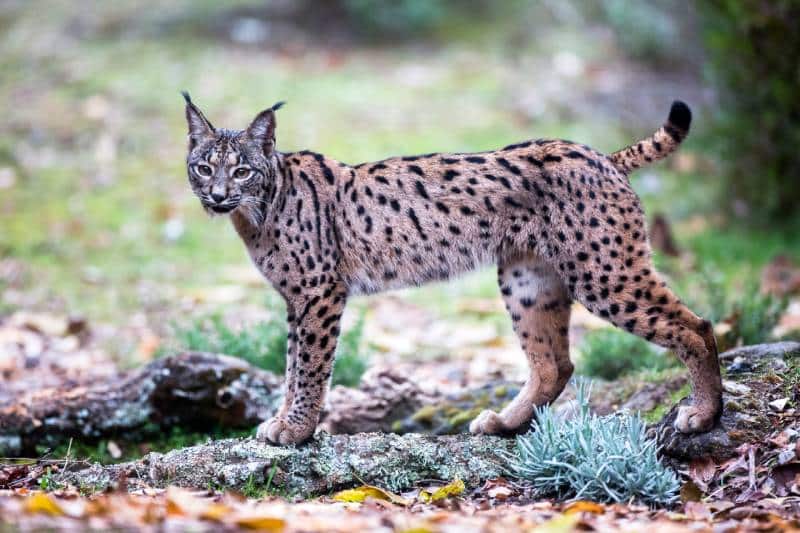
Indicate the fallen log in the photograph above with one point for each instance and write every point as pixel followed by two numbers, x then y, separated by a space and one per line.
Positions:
pixel 324 464
pixel 192 389
pixel 202 391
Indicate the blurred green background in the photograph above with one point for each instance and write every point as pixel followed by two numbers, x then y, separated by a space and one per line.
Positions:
pixel 97 218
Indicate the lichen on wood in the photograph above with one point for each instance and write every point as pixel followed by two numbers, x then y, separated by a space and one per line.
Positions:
pixel 326 463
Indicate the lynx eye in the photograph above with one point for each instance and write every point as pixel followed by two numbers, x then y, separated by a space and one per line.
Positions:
pixel 241 173
pixel 203 170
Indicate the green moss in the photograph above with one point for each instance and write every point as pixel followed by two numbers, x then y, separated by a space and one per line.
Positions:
pixel 48 481
pixel 464 417
pixel 453 414
pixel 255 490
pixel 791 378
pixel 425 414
pixel 501 391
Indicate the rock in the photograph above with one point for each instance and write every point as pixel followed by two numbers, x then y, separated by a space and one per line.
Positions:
pixel 779 404
pixel 759 352
pixel 786 456
pixel 737 389
pixel 739 366
pixel 749 415
pixel 326 463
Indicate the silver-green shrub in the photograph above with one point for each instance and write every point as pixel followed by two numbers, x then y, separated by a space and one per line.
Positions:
pixel 598 458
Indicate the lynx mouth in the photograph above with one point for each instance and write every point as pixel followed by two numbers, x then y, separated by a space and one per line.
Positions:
pixel 223 208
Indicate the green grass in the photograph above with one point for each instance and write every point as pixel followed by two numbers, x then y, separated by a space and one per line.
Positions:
pixel 351 361
pixel 263 344
pixel 658 412
pixel 751 314
pixel 256 491
pixel 736 251
pixel 93 243
pixel 154 439
pixel 612 353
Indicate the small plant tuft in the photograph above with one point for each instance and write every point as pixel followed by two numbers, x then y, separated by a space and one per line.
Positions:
pixel 48 482
pixel 606 458
pixel 611 353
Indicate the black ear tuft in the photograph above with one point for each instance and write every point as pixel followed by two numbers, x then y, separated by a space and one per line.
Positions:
pixel 199 126
pixel 278 105
pixel 680 116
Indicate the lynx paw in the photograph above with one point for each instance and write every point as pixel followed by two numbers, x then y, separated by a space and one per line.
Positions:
pixel 695 419
pixel 278 430
pixel 488 423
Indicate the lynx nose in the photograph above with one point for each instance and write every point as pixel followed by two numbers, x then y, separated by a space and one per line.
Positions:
pixel 218 195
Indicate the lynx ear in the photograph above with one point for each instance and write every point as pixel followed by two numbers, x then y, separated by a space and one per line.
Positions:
pixel 262 129
pixel 199 126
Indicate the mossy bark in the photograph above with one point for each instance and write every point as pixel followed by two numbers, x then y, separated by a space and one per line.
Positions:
pixel 326 463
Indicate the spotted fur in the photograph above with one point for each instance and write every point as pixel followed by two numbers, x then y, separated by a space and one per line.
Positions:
pixel 559 219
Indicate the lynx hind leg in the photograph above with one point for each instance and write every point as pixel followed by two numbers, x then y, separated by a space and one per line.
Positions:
pixel 539 306
pixel 641 303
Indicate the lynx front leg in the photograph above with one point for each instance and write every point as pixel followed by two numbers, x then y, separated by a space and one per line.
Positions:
pixel 316 333
pixel 291 365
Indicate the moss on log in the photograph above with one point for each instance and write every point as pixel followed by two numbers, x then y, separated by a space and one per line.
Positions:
pixel 324 464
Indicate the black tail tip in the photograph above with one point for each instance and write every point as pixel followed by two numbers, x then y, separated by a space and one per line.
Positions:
pixel 278 105
pixel 680 115
pixel 186 97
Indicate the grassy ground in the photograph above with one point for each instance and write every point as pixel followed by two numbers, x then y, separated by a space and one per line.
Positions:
pixel 102 223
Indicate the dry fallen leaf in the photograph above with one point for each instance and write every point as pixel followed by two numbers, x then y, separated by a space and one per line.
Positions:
pixel 701 471
pixel 39 502
pixel 216 512
pixel 455 488
pixel 560 524
pixel 697 511
pixel 363 492
pixel 261 523
pixel 583 506
pixel 690 492
pixel 499 492
pixel 114 449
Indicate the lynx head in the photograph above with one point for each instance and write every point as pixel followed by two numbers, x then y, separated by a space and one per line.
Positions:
pixel 232 169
